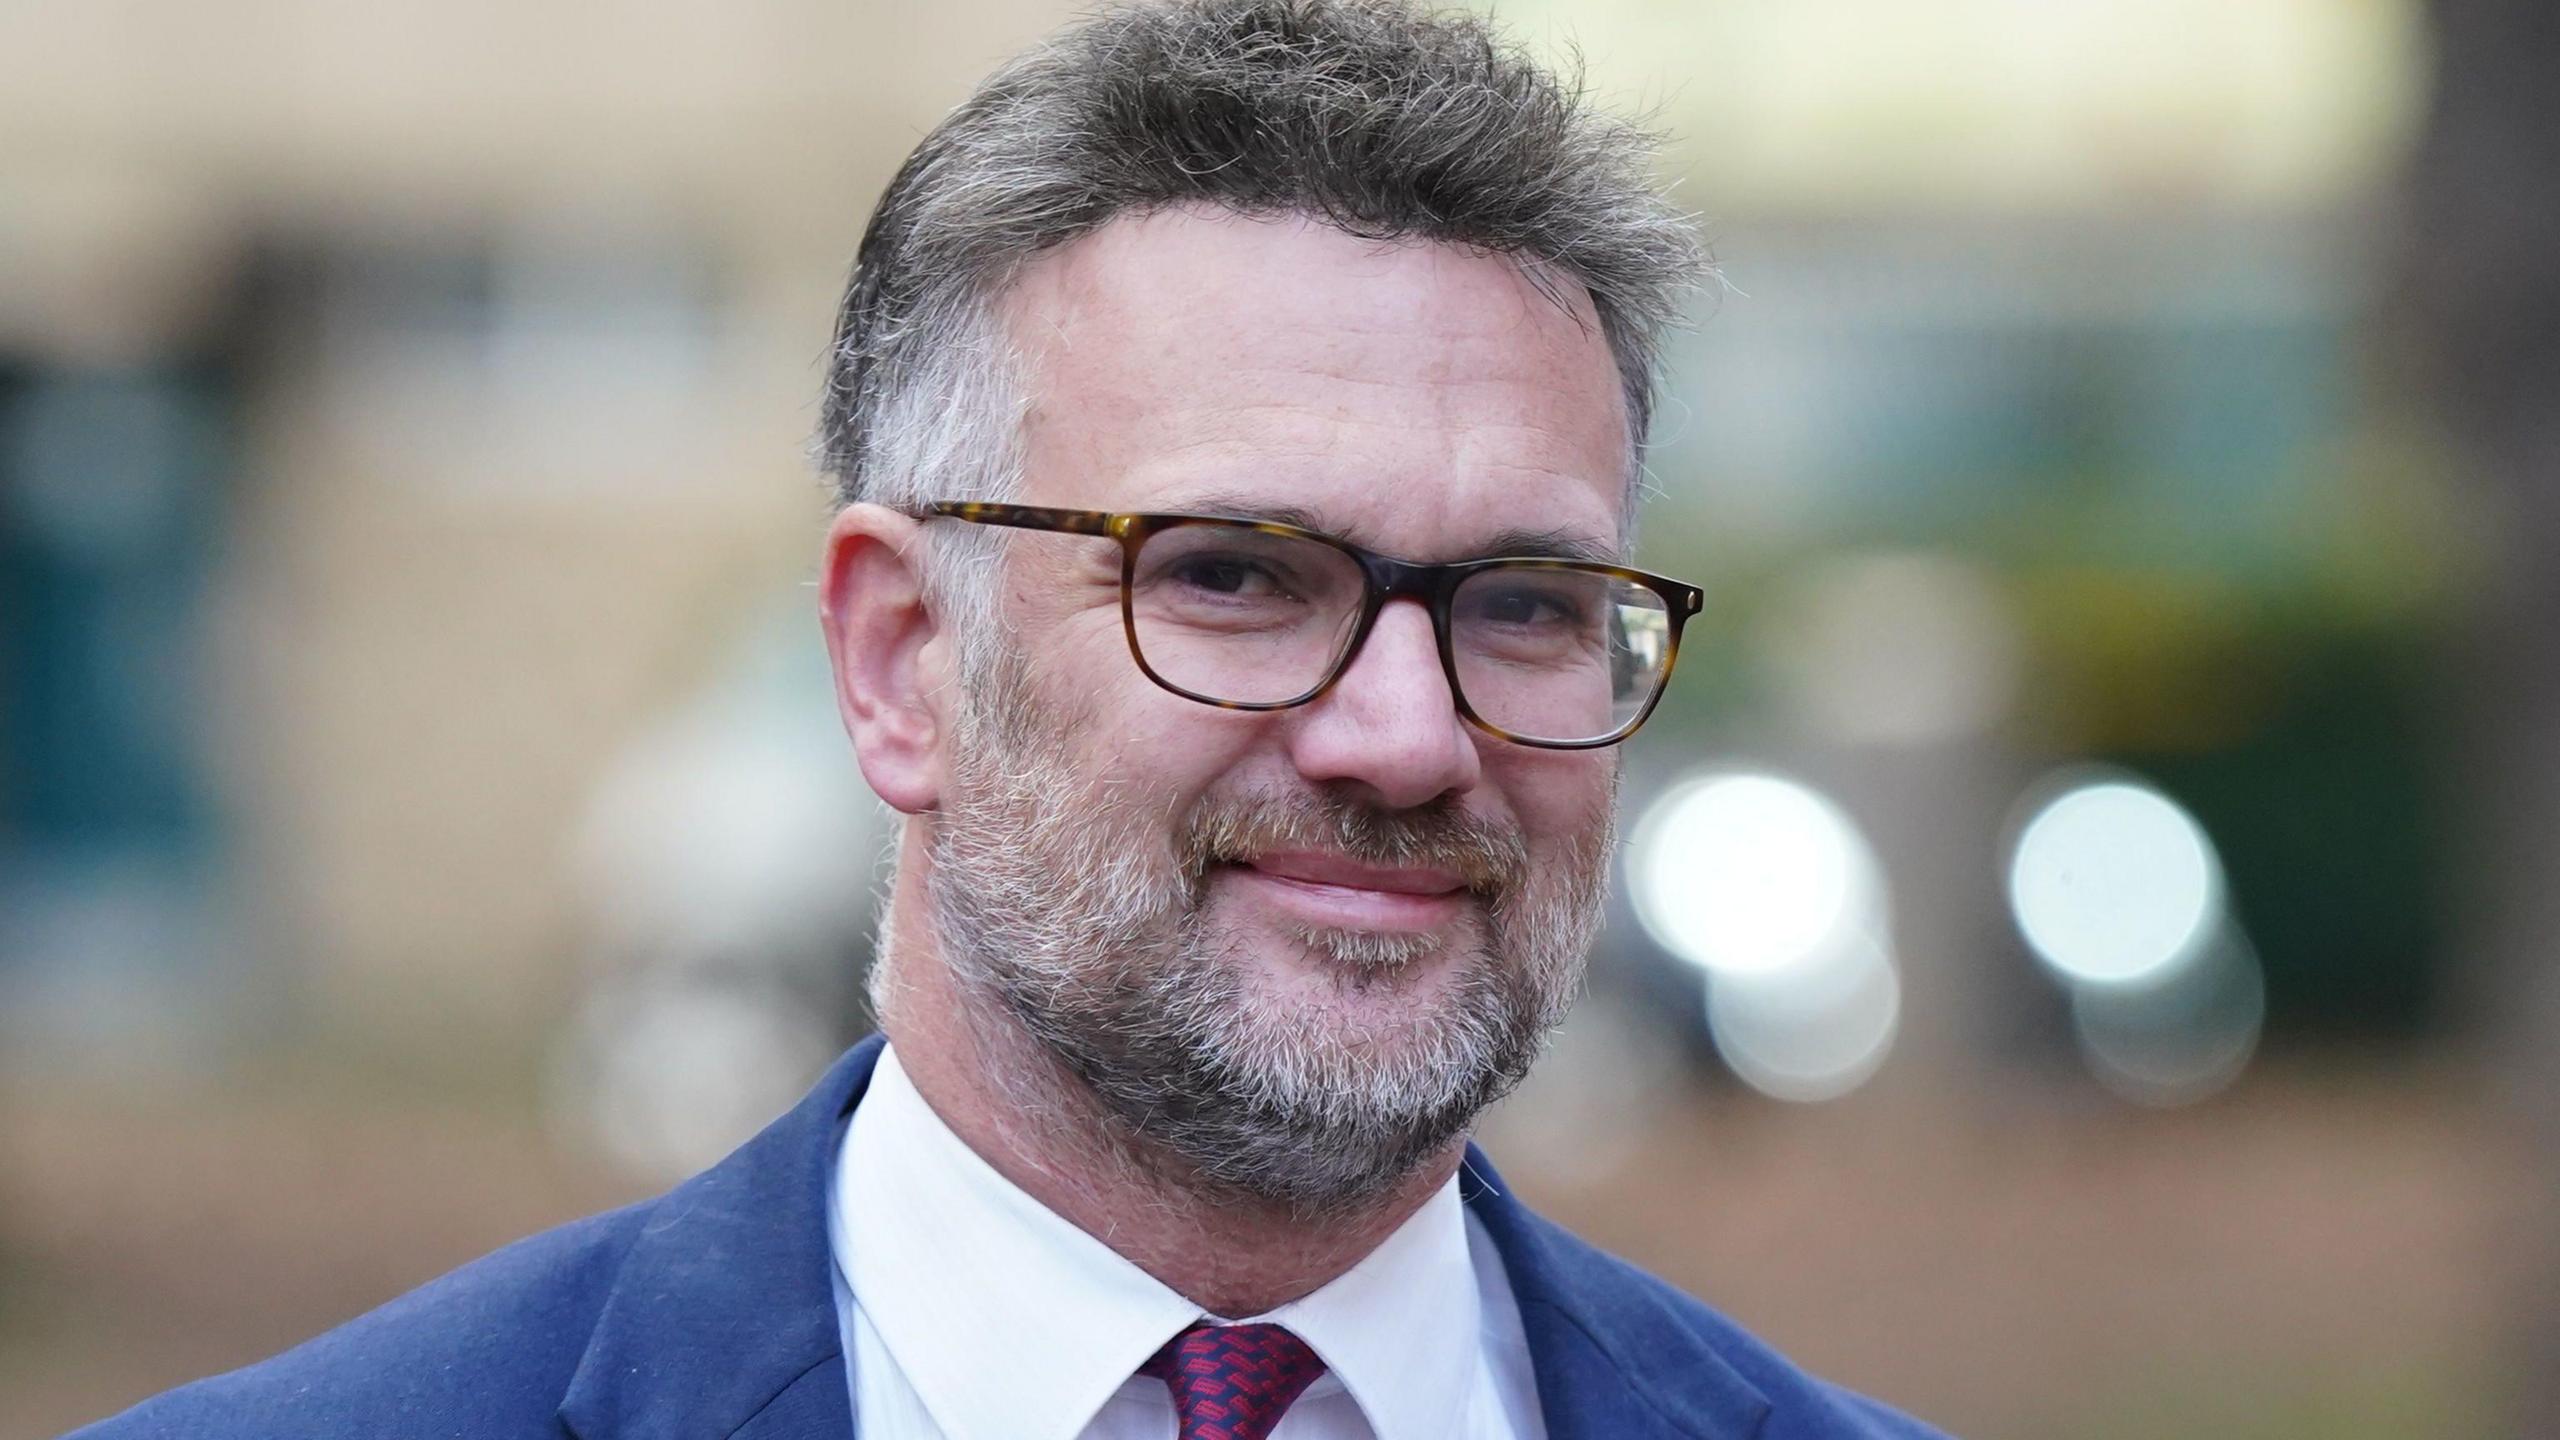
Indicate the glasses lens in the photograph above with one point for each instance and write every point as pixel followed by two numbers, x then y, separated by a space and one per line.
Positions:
pixel 1553 653
pixel 1229 612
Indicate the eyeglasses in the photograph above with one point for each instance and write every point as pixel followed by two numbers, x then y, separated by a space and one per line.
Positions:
pixel 1256 615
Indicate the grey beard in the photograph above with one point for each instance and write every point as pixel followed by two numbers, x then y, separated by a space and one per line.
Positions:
pixel 1081 916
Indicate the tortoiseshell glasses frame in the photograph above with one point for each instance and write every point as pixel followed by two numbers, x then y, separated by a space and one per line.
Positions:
pixel 1384 577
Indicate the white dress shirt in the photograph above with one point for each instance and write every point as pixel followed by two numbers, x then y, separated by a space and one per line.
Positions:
pixel 971 1311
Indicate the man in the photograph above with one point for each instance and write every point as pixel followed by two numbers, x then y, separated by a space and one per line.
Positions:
pixel 1236 409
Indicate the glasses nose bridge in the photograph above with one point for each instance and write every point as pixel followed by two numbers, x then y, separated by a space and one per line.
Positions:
pixel 1388 579
pixel 1392 579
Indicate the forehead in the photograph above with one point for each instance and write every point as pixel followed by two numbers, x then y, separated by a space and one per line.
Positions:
pixel 1412 396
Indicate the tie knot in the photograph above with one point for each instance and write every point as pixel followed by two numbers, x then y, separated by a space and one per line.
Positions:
pixel 1230 1382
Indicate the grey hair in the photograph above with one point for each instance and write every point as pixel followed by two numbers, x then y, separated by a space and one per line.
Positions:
pixel 1374 116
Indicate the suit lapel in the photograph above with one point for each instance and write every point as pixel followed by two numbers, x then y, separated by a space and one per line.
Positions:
pixel 813 1407
pixel 722 1318
pixel 1614 1360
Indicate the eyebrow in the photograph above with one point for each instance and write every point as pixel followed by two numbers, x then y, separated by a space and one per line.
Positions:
pixel 1545 544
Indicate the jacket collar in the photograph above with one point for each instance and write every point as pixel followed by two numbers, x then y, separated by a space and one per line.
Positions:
pixel 1614 1356
pixel 722 1318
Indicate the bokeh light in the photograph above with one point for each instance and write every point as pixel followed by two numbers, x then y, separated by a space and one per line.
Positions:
pixel 2183 1036
pixel 2112 882
pixel 1814 1031
pixel 2121 892
pixel 1772 890
pixel 1749 874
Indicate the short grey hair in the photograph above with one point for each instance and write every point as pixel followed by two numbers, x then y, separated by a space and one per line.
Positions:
pixel 1375 116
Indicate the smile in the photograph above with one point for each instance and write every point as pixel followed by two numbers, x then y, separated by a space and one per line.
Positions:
pixel 1339 893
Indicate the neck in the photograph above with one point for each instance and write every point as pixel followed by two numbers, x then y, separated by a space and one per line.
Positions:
pixel 1041 1128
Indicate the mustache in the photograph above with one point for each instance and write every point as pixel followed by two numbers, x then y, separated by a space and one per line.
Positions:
pixel 1489 858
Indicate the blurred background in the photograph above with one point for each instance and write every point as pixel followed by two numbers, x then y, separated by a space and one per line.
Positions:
pixel 2081 963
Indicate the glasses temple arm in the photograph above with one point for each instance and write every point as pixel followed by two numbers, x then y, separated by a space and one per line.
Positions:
pixel 1021 517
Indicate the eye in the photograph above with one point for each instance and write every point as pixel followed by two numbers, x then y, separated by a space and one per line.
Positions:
pixel 1528 604
pixel 1226 574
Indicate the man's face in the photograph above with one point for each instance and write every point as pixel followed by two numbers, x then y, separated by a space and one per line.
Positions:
pixel 1298 949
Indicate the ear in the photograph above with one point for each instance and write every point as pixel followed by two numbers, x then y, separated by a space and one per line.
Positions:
pixel 887 652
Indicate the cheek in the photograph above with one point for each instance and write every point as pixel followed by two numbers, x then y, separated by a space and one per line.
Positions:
pixel 1560 796
pixel 1076 657
pixel 1148 749
pixel 1186 749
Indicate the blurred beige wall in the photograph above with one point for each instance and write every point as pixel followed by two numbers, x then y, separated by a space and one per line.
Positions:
pixel 445 599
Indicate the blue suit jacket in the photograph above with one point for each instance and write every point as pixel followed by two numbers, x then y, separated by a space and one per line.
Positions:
pixel 710 1312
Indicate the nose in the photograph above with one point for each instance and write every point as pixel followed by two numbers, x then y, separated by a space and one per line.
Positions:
pixel 1389 726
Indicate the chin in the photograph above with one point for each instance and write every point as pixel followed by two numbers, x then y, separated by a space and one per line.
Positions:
pixel 1390 967
pixel 1331 965
pixel 1365 995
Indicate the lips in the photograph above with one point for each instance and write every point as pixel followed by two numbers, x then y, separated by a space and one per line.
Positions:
pixel 1331 892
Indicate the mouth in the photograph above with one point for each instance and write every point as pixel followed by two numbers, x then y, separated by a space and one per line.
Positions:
pixel 1336 892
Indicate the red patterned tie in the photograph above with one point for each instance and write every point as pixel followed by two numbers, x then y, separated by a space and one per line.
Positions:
pixel 1230 1382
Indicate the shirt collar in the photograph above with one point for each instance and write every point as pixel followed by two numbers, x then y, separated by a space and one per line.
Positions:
pixel 952 1253
pixel 1401 1328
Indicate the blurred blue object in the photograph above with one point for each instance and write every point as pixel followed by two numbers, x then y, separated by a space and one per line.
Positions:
pixel 113 486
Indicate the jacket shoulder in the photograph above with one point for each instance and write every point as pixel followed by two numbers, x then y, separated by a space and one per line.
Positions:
pixel 484 1351
pixel 1802 1406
